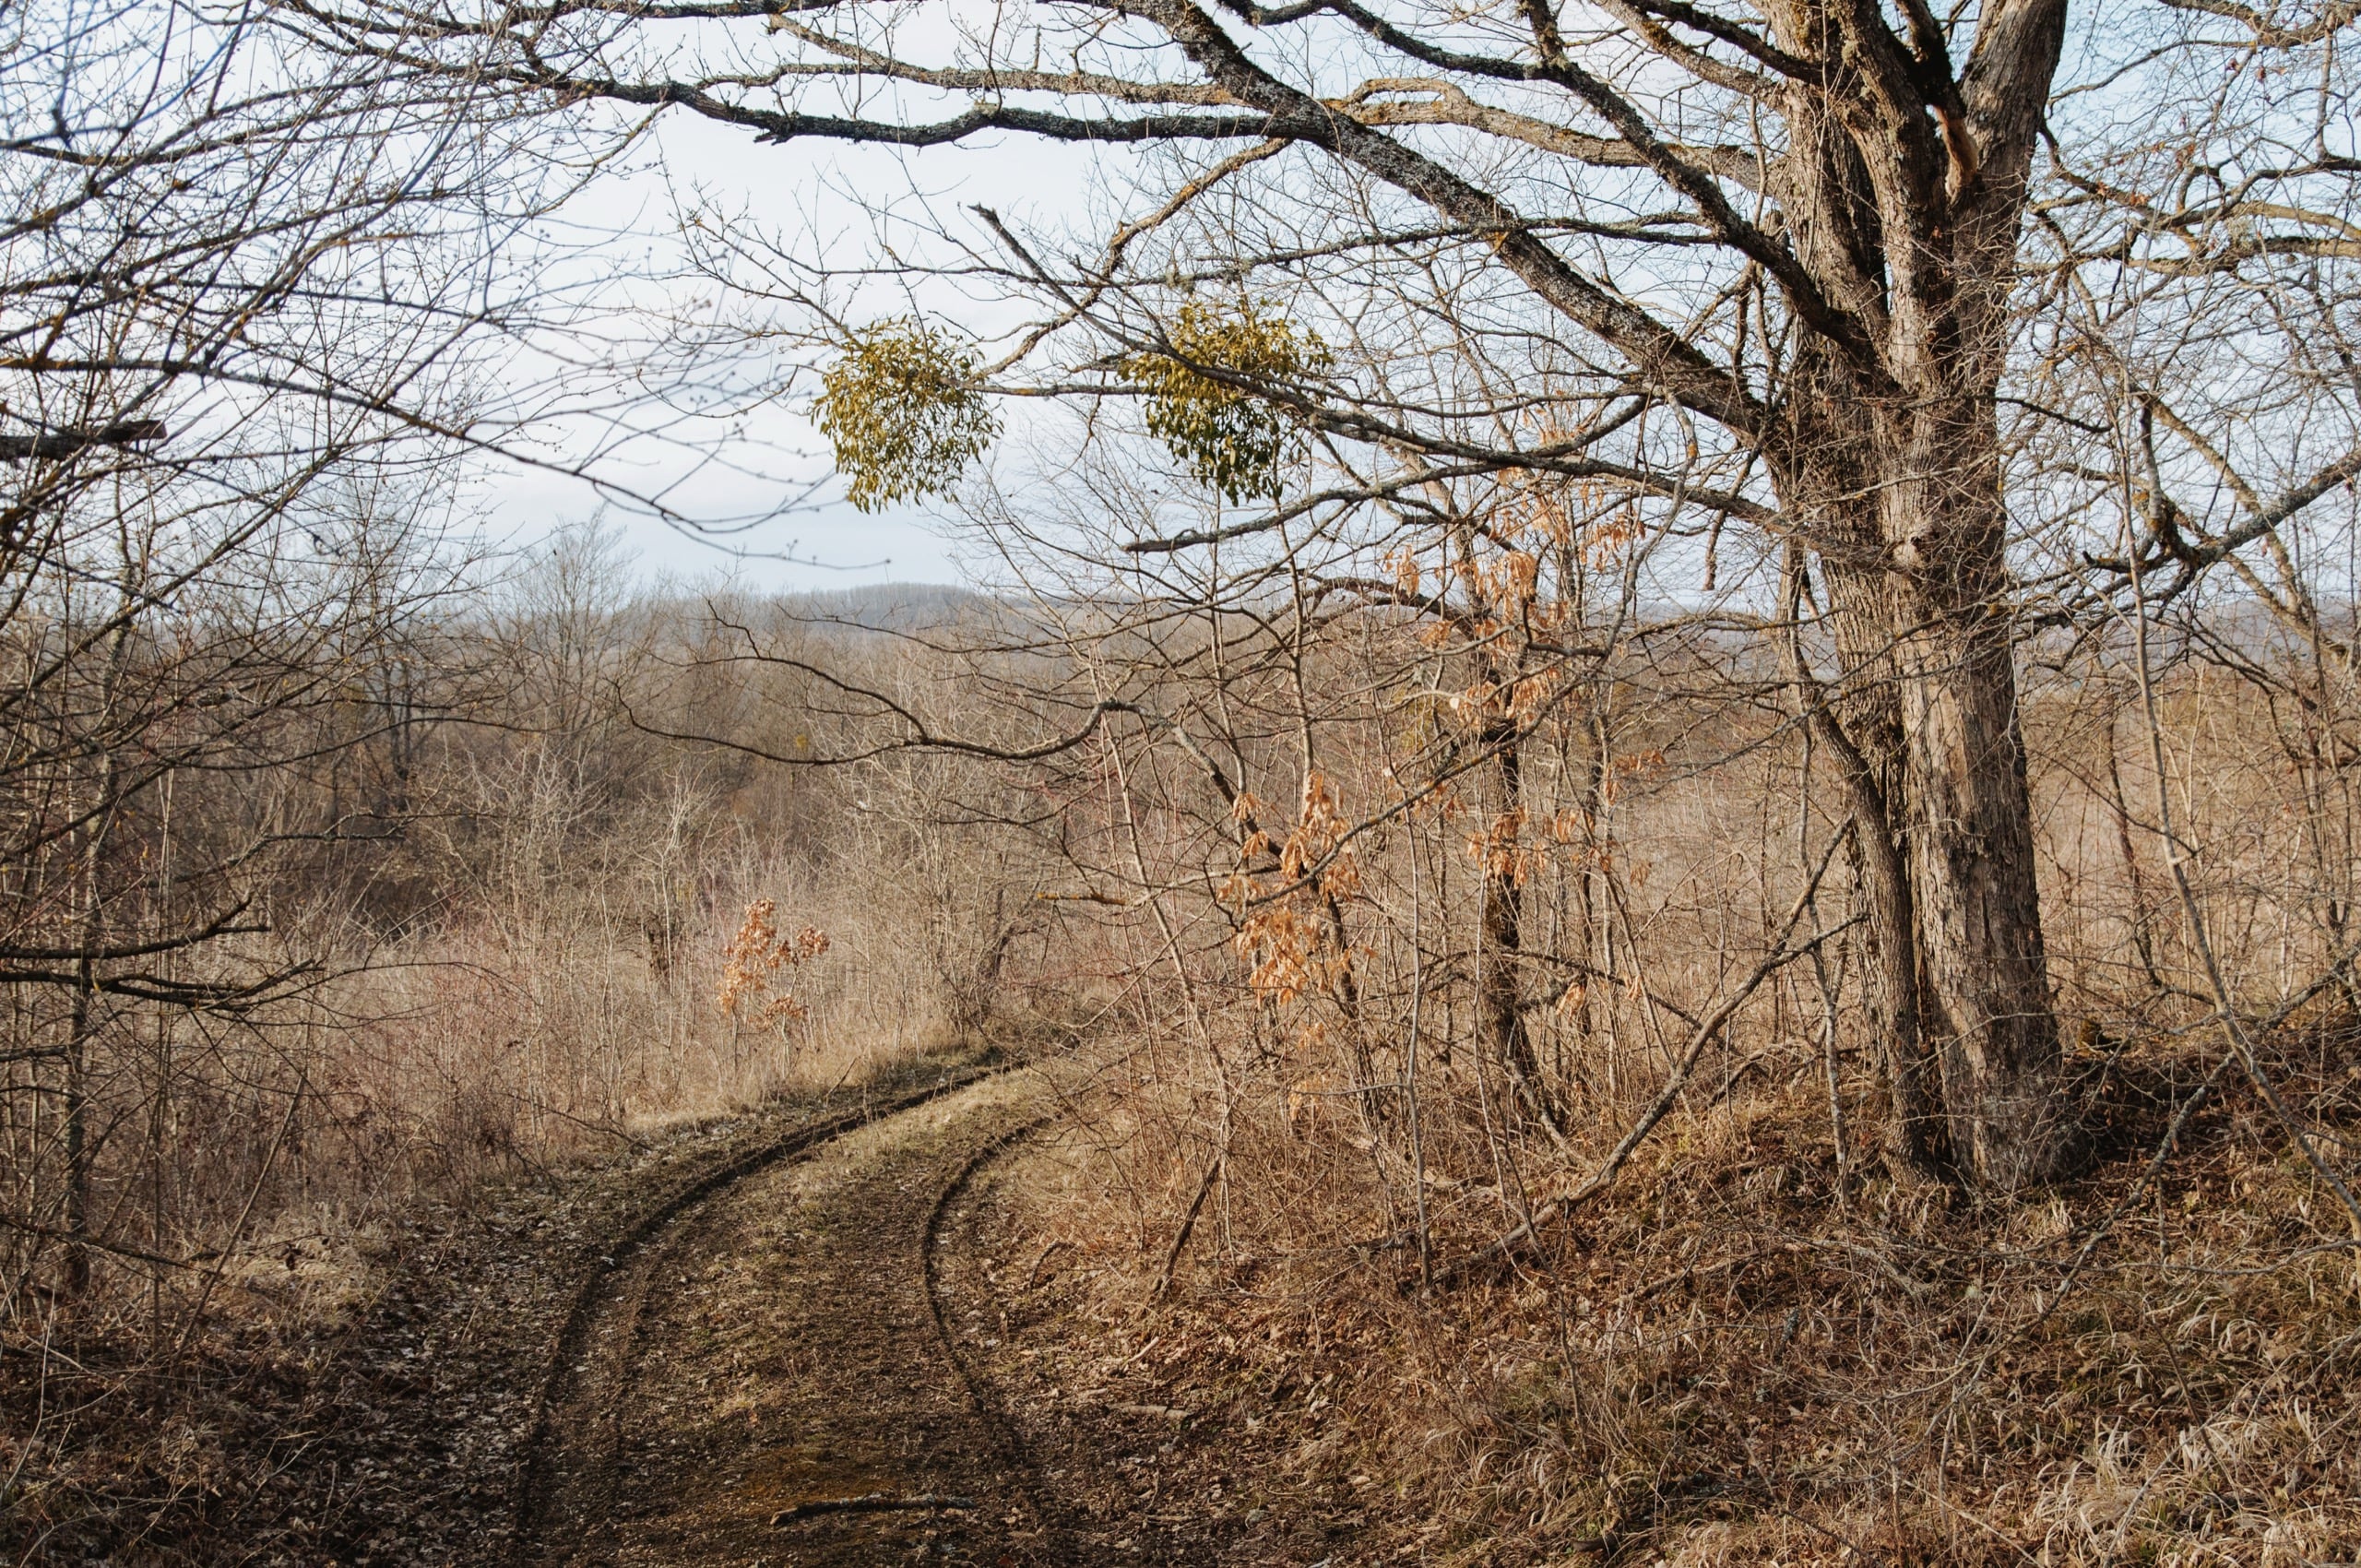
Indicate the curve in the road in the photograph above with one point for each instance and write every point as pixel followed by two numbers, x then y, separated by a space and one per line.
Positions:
pixel 805 1361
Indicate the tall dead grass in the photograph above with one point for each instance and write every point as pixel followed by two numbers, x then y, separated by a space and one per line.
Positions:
pixel 520 965
pixel 1757 1343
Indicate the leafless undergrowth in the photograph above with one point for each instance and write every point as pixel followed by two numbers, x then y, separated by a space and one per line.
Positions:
pixel 1678 698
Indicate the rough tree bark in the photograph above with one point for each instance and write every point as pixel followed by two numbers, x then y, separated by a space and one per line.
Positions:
pixel 1904 191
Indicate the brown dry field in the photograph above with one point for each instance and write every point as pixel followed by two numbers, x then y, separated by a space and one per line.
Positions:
pixel 908 1321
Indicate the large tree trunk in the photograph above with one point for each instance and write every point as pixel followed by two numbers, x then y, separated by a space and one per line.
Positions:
pixel 1866 746
pixel 1925 731
pixel 1887 453
pixel 1858 716
pixel 1968 813
pixel 1985 973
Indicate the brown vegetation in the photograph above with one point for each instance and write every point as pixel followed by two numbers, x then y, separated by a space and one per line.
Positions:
pixel 1708 841
pixel 1331 1172
pixel 534 960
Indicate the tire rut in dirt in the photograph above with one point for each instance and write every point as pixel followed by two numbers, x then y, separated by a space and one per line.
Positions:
pixel 761 1379
pixel 533 1480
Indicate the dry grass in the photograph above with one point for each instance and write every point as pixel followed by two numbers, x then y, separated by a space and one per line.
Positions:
pixel 1730 1360
pixel 1756 1344
pixel 508 1042
pixel 1745 1351
pixel 544 1019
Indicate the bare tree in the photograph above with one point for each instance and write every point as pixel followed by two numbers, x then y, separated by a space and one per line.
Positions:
pixel 1768 262
pixel 242 294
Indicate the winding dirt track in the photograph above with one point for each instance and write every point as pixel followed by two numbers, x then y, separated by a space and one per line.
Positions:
pixel 762 1374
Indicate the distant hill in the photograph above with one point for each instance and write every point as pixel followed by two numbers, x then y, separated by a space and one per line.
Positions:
pixel 893 607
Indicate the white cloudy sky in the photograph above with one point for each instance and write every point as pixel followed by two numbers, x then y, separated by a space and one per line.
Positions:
pixel 812 197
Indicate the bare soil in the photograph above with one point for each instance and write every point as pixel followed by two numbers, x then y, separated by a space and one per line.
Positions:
pixel 442 1411
pixel 809 1335
pixel 765 1382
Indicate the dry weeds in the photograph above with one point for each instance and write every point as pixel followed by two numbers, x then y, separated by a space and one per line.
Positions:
pixel 1731 1359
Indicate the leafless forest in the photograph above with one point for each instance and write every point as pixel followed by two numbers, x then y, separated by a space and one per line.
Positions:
pixel 1670 694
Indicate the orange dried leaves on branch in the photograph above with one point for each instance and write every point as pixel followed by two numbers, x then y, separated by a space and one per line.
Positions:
pixel 1402 566
pixel 1284 936
pixel 1500 851
pixel 754 962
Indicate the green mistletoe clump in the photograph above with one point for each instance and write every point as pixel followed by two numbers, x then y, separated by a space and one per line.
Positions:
pixel 1232 439
pixel 902 410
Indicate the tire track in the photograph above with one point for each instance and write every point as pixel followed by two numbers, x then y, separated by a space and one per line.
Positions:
pixel 629 1267
pixel 1014 1451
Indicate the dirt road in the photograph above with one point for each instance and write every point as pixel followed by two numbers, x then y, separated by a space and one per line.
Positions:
pixel 765 1378
pixel 826 1333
